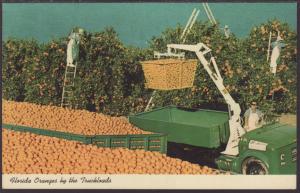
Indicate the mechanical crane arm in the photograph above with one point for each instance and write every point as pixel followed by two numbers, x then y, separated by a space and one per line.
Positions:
pixel 236 130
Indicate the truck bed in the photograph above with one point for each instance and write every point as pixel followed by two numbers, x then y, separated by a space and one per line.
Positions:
pixel 198 127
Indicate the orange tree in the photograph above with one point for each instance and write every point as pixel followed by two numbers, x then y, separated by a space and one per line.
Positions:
pixel 283 85
pixel 243 65
pixel 109 76
pixel 16 57
pixel 44 74
pixel 204 93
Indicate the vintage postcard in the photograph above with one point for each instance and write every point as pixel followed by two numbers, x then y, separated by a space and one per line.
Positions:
pixel 188 95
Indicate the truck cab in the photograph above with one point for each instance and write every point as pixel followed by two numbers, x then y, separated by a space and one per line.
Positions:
pixel 271 149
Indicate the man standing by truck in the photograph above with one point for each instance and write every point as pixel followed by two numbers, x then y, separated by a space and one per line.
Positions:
pixel 252 117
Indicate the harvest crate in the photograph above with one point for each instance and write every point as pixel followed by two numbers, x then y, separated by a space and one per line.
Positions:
pixel 148 142
pixel 169 74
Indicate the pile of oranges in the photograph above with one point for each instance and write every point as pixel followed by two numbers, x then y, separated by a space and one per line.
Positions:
pixel 66 120
pixel 27 153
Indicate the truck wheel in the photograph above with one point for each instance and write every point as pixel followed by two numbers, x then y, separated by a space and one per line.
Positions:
pixel 253 166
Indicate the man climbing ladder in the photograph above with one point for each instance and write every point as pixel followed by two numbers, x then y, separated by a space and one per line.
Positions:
pixel 70 72
pixel 73 48
pixel 277 46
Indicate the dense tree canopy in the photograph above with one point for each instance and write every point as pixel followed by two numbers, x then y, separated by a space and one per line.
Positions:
pixel 110 79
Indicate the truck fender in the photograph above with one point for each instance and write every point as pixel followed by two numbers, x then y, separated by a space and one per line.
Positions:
pixel 252 153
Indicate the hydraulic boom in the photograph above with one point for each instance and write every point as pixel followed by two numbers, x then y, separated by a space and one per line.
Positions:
pixel 236 130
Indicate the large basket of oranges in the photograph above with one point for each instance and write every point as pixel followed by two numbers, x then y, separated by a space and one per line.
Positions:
pixel 169 74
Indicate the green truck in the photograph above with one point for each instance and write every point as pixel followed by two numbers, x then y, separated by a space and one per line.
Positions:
pixel 270 149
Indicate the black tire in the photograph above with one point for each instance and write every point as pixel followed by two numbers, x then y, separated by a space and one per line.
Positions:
pixel 254 166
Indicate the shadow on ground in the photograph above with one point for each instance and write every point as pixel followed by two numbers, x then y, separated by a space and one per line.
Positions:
pixel 193 154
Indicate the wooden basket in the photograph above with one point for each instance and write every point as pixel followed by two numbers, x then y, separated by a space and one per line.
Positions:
pixel 169 74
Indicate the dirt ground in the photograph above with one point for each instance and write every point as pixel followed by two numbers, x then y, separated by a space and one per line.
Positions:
pixel 288 119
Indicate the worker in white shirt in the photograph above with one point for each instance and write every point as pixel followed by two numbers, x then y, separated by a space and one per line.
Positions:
pixel 73 48
pixel 277 46
pixel 252 117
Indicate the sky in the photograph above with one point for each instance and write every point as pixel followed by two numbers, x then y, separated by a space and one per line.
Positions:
pixel 135 23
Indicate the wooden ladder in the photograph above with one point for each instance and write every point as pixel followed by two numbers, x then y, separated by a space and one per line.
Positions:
pixel 69 82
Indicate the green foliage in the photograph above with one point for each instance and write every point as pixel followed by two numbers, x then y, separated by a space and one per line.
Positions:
pixel 16 57
pixel 44 74
pixel 109 74
pixel 110 79
pixel 243 65
pixel 283 85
